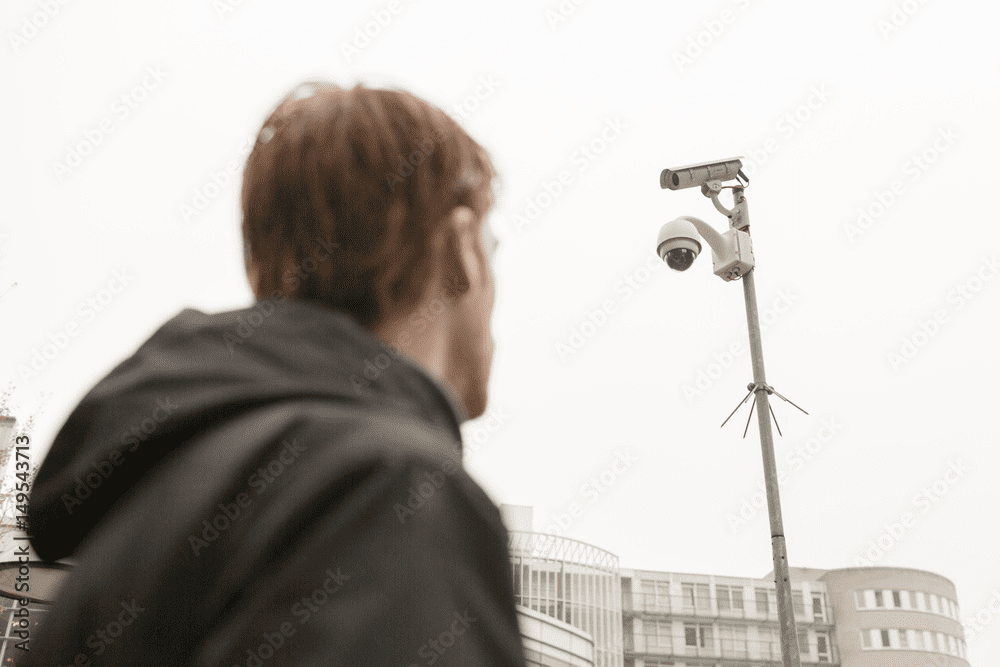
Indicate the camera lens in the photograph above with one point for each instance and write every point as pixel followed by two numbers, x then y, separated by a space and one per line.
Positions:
pixel 680 259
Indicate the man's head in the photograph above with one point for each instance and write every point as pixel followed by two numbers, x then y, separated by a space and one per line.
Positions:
pixel 373 203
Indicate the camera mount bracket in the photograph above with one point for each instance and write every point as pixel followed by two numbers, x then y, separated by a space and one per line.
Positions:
pixel 739 216
pixel 752 389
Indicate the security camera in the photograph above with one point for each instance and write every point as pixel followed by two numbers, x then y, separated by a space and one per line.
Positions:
pixel 694 175
pixel 677 244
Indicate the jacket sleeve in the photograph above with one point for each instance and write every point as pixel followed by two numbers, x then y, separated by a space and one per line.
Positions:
pixel 404 563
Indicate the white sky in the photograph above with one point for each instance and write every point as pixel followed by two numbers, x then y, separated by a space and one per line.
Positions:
pixel 886 98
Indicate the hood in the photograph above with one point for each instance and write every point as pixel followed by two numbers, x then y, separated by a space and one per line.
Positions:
pixel 201 369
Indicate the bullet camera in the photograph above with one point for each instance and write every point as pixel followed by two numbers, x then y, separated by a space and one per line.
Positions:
pixel 678 245
pixel 694 175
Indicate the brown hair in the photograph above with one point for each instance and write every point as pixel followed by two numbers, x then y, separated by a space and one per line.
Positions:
pixel 368 173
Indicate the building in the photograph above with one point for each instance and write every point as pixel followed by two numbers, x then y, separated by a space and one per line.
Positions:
pixel 570 581
pixel 551 643
pixel 702 620
pixel 896 616
pixel 852 617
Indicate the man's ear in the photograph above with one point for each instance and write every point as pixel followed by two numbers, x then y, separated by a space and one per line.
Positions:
pixel 466 264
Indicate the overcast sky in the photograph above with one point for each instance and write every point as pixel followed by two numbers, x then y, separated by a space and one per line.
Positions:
pixel 884 329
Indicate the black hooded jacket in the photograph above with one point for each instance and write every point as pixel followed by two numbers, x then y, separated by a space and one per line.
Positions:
pixel 270 486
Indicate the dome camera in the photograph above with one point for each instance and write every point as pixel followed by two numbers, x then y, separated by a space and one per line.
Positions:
pixel 678 245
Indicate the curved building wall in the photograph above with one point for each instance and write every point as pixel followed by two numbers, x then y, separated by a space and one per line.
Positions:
pixel 573 582
pixel 549 642
pixel 894 616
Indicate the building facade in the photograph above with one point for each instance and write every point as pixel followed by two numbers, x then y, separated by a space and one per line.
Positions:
pixel 702 620
pixel 551 643
pixel 852 617
pixel 568 580
pixel 896 616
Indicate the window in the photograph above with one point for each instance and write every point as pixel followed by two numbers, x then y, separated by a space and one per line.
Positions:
pixel 704 597
pixel 885 638
pixel 879 602
pixel 951 645
pixel 941 642
pixel 818 608
pixel 866 638
pixel 802 636
pixel 698 635
pixel 918 640
pixel 661 595
pixel 734 641
pixel 905 595
pixel 859 596
pixel 729 598
pixel 822 647
pixel 934 604
pixel 664 636
pixel 928 641
pixel 797 607
pixel 897 602
pixel 722 597
pixel 760 595
pixel 648 589
pixel 770 640
pixel 921 604
pixel 902 639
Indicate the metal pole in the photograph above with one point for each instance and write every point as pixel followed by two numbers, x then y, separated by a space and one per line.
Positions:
pixel 783 587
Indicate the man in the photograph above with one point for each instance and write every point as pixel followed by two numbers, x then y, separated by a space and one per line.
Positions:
pixel 282 484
